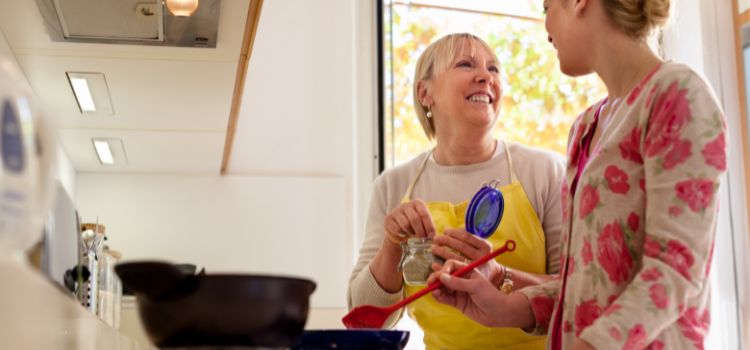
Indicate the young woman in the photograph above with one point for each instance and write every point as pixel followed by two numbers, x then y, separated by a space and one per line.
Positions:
pixel 639 199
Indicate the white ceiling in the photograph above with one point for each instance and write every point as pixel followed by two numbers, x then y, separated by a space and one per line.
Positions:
pixel 171 103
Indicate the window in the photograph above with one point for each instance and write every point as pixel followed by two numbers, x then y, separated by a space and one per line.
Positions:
pixel 539 103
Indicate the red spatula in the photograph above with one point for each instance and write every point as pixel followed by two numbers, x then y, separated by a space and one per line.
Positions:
pixel 368 316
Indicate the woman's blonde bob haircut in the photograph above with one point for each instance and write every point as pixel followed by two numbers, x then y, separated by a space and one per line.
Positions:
pixel 435 60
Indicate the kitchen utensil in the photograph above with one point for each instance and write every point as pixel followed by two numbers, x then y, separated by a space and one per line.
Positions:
pixel 485 210
pixel 352 339
pixel 179 310
pixel 369 316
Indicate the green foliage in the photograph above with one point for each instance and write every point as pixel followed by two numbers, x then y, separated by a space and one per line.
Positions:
pixel 539 103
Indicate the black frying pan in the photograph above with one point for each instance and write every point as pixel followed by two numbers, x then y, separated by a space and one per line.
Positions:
pixel 179 309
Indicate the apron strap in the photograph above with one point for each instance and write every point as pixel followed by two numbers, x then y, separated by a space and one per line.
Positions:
pixel 407 196
pixel 512 171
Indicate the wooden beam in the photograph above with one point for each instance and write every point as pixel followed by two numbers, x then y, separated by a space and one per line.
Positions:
pixel 251 28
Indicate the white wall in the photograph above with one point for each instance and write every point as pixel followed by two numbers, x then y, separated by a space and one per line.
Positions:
pixel 276 225
pixel 702 36
pixel 65 173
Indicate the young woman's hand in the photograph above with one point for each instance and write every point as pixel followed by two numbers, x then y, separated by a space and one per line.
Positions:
pixel 480 300
pixel 459 244
pixel 471 294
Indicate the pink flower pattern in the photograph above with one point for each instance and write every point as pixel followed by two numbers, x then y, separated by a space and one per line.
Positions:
pixel 615 333
pixel 586 252
pixel 694 325
pixel 697 193
pixel 651 247
pixel 669 115
pixel 613 254
pixel 679 257
pixel 636 338
pixel 675 211
pixel 542 307
pixel 617 179
pixel 679 153
pixel 567 327
pixel 630 146
pixel 589 200
pixel 643 254
pixel 586 313
pixel 634 222
pixel 658 293
pixel 715 153
pixel 656 345
pixel 652 274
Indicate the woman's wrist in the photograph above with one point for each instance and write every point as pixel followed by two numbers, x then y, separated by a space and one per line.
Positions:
pixel 498 276
pixel 516 312
pixel 384 267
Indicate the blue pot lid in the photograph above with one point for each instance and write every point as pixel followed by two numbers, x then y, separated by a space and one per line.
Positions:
pixel 485 211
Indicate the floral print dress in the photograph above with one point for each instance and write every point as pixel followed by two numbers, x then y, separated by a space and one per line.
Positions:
pixel 639 227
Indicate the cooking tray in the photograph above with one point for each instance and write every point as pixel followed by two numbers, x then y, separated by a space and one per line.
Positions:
pixel 352 339
pixel 179 309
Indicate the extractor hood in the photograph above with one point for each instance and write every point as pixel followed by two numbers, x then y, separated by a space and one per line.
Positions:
pixel 138 22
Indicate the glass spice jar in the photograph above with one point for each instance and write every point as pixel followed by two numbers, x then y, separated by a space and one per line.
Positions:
pixel 416 260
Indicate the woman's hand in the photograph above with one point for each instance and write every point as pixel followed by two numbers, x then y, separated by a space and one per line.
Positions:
pixel 471 294
pixel 407 220
pixel 458 244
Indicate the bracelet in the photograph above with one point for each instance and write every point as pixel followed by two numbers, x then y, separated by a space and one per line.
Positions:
pixel 507 285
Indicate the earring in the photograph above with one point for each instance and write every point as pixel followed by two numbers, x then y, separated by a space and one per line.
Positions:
pixel 429 113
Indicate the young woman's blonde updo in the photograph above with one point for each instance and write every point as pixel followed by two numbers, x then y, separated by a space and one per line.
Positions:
pixel 638 17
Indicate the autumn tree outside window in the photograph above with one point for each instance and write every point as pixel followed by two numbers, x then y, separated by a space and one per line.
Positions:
pixel 539 103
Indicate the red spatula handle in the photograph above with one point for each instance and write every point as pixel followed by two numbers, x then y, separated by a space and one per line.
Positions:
pixel 510 245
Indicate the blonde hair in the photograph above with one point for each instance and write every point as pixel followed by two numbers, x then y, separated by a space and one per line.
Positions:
pixel 638 18
pixel 436 59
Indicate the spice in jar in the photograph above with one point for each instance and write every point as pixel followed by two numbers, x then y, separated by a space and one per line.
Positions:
pixel 417 259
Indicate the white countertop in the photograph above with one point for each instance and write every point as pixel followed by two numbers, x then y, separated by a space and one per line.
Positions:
pixel 35 314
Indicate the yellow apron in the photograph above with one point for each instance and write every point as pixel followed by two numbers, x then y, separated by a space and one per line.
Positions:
pixel 445 327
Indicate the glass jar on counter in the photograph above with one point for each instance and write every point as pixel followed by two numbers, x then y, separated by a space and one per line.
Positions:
pixel 110 288
pixel 416 261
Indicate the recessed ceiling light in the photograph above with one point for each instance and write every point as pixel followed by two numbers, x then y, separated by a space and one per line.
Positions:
pixel 83 94
pixel 103 152
pixel 91 93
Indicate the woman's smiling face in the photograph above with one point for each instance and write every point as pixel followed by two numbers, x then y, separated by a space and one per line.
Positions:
pixel 468 90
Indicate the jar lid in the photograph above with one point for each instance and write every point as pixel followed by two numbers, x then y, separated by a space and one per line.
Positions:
pixel 485 211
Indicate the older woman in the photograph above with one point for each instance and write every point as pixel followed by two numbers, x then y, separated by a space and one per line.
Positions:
pixel 640 198
pixel 457 95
